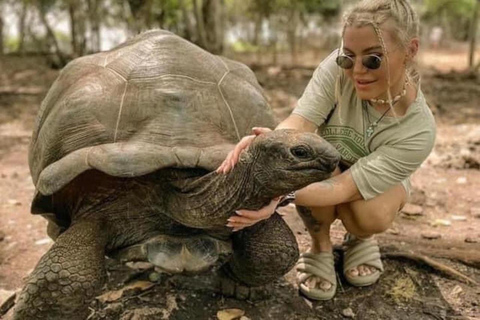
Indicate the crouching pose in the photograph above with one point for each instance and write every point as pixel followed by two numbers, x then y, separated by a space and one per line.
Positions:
pixel 365 99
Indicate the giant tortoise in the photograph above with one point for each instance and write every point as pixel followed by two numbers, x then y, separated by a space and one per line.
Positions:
pixel 123 158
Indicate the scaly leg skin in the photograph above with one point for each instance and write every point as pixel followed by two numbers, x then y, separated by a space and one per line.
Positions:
pixel 261 254
pixel 67 277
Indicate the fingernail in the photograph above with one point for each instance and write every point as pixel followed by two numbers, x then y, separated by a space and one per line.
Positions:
pixel 229 219
pixel 238 213
pixel 229 225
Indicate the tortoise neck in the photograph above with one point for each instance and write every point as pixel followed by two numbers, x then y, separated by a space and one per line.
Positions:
pixel 210 200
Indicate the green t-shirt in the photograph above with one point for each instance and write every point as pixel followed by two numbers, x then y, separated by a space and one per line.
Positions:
pixel 377 162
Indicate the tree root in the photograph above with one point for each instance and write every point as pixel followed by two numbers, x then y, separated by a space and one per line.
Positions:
pixel 7 304
pixel 431 263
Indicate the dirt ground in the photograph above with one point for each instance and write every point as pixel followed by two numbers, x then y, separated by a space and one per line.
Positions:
pixel 442 222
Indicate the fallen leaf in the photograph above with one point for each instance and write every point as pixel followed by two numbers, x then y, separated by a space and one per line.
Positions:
pixel 230 314
pixel 117 294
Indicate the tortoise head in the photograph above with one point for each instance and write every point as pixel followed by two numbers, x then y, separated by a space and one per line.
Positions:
pixel 287 160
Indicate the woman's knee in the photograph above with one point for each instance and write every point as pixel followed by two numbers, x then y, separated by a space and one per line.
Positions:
pixel 367 222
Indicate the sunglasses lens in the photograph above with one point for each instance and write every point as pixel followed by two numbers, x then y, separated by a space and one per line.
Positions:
pixel 372 62
pixel 344 62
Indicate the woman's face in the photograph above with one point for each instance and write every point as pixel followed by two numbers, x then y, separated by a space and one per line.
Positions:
pixel 369 84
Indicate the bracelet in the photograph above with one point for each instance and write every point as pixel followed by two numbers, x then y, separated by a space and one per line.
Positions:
pixel 287 199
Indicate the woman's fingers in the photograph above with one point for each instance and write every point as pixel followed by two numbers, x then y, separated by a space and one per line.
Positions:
pixel 233 156
pixel 259 130
pixel 225 163
pixel 242 145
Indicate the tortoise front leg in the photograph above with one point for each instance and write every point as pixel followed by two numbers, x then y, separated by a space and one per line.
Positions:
pixel 261 253
pixel 67 277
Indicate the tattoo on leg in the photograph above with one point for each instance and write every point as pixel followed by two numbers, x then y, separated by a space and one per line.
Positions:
pixel 310 222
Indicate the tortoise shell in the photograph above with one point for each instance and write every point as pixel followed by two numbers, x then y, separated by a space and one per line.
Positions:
pixel 156 101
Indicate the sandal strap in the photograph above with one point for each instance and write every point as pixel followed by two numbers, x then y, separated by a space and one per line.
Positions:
pixel 320 265
pixel 362 252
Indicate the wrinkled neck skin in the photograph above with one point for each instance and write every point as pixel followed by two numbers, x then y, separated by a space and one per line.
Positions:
pixel 208 201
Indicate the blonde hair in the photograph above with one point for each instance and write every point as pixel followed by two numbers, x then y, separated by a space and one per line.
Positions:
pixel 399 15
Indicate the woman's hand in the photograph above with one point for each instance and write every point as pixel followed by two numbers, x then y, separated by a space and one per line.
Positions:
pixel 247 218
pixel 234 155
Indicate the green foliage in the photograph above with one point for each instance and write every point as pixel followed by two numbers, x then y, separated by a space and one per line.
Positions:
pixel 11 44
pixel 453 8
pixel 455 15
pixel 243 46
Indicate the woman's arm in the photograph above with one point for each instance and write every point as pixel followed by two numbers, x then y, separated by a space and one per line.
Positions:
pixel 294 121
pixel 336 190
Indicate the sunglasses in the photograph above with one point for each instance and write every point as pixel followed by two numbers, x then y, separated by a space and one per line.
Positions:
pixel 370 61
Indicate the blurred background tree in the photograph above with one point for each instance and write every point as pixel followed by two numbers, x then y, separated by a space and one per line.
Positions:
pixel 67 29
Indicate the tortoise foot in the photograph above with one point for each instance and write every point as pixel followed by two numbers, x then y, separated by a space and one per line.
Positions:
pixel 234 289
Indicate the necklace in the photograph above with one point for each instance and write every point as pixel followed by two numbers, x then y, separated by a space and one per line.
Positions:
pixel 372 125
pixel 395 99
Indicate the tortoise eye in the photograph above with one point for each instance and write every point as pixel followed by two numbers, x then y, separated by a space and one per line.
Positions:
pixel 301 152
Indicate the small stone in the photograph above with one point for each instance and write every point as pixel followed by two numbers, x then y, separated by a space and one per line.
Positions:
pixel 475 211
pixel 244 318
pixel 471 239
pixel 412 210
pixel 139 265
pixel 393 231
pixel 43 241
pixel 458 218
pixel 441 222
pixel 461 180
pixel 348 312
pixel 154 276
pixel 14 202
pixel 113 308
pixel 430 235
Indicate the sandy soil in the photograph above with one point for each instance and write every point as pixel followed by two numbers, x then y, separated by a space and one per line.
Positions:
pixel 446 190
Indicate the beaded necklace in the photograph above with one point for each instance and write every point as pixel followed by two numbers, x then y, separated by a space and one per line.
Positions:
pixel 372 125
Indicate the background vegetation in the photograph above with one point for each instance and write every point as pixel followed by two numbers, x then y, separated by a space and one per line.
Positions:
pixel 71 28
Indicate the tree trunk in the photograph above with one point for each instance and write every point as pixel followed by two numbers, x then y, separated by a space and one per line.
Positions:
pixel 78 30
pixel 21 27
pixel 214 21
pixel 258 29
pixel 201 36
pixel 473 34
pixel 93 8
pixel 292 35
pixel 50 35
pixel 1 36
pixel 189 32
pixel 136 15
pixel 73 27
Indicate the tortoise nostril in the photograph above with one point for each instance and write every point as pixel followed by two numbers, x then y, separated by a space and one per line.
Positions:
pixel 331 162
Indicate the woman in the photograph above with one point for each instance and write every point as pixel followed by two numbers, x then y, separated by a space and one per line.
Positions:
pixel 366 101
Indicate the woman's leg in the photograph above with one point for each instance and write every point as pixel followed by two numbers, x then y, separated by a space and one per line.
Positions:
pixel 361 218
pixel 366 218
